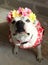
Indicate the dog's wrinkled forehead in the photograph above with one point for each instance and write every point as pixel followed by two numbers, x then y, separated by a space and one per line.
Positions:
pixel 24 19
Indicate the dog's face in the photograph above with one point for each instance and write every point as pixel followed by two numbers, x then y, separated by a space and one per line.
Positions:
pixel 24 29
pixel 22 24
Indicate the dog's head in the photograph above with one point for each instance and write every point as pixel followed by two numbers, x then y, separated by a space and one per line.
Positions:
pixel 22 18
pixel 22 24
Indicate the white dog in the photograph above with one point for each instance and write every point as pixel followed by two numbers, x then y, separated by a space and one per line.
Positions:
pixel 25 34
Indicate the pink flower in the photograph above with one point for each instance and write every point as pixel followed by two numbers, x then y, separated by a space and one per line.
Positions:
pixel 9 17
pixel 24 13
pixel 27 10
pixel 20 10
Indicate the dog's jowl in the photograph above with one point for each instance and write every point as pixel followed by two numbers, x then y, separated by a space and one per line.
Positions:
pixel 25 30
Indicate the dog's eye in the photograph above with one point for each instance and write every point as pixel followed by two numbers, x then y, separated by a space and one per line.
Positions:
pixel 13 21
pixel 27 20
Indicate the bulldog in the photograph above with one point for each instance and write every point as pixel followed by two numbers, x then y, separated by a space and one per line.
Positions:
pixel 24 32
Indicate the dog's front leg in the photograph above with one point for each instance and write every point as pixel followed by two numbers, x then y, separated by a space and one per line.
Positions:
pixel 15 49
pixel 39 54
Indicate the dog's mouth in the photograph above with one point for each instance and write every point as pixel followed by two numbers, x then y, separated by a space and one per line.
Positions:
pixel 22 43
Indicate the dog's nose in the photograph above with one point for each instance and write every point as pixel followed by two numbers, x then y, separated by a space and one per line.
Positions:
pixel 20 26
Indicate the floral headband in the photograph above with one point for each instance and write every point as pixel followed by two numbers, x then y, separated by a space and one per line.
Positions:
pixel 21 12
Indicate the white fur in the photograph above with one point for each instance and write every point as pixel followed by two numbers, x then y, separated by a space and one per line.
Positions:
pixel 30 28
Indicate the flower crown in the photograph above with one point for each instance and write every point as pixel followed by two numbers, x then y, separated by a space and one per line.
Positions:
pixel 21 12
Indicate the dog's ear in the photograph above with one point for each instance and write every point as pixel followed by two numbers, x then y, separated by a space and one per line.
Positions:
pixel 13 21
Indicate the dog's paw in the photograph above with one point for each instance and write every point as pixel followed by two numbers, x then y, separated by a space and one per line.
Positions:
pixel 15 52
pixel 39 59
